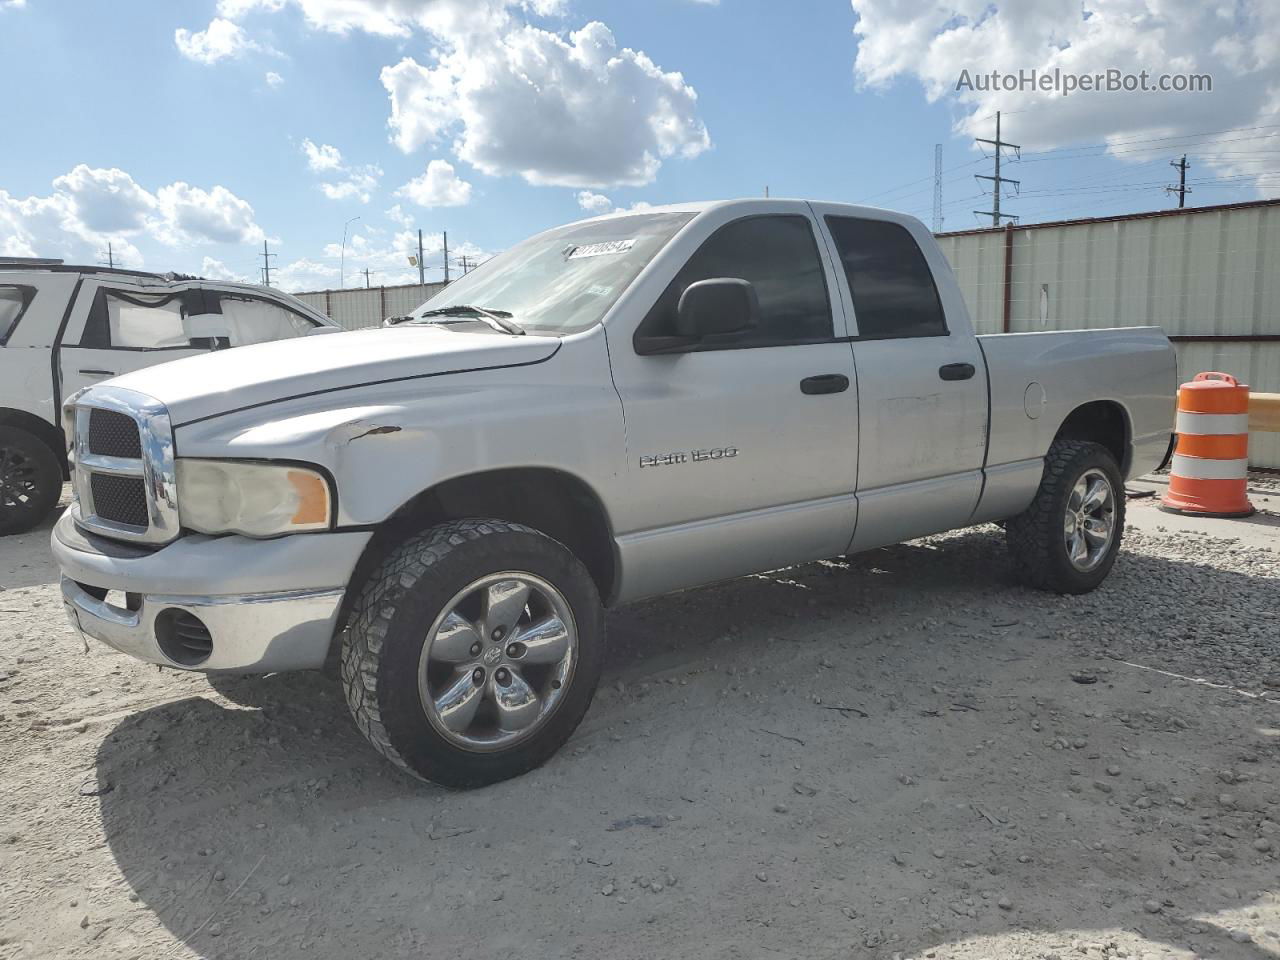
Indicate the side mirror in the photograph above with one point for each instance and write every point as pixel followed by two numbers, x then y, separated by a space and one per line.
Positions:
pixel 719 306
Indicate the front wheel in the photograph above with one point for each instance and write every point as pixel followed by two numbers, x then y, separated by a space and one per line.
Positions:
pixel 1067 540
pixel 473 652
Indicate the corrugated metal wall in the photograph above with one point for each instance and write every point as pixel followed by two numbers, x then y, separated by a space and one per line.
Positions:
pixel 1200 273
pixel 368 307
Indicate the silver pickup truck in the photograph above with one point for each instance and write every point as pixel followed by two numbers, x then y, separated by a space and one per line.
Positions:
pixel 617 408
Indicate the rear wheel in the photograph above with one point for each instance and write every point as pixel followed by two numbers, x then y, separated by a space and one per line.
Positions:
pixel 30 481
pixel 1067 540
pixel 473 652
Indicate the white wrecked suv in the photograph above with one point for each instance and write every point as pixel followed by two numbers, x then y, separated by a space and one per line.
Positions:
pixel 613 409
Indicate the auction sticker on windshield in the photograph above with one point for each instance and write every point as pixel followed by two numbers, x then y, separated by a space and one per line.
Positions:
pixel 601 249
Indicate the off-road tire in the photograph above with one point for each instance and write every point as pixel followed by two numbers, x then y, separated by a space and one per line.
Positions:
pixel 1035 537
pixel 387 627
pixel 26 452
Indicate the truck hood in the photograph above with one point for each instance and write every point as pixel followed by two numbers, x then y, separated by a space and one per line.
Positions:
pixel 195 388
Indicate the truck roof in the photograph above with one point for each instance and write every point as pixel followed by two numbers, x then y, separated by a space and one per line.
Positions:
pixel 43 265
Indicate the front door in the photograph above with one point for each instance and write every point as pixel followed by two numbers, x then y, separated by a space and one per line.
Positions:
pixel 741 451
pixel 116 327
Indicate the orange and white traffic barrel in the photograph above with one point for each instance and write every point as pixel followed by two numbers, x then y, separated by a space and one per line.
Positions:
pixel 1210 467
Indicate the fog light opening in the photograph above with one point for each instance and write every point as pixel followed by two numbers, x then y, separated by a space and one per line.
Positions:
pixel 183 637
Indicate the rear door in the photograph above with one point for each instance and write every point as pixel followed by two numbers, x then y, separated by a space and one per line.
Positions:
pixel 116 327
pixel 741 451
pixel 922 388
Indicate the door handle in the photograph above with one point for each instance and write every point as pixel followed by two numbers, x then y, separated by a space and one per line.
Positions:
pixel 825 383
pixel 956 371
pixel 98 373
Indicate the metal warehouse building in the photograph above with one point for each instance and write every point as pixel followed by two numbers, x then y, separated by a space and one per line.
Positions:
pixel 1210 276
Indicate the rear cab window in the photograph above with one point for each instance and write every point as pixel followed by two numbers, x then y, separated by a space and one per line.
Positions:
pixel 14 301
pixel 894 294
pixel 778 255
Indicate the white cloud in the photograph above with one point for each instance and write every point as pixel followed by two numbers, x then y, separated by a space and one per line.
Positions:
pixel 594 202
pixel 510 97
pixel 307 274
pixel 221 40
pixel 214 269
pixel 576 112
pixel 90 207
pixel 192 214
pixel 274 79
pixel 321 157
pixel 359 184
pixel 356 183
pixel 1238 44
pixel 12 4
pixel 397 215
pixel 235 9
pixel 438 187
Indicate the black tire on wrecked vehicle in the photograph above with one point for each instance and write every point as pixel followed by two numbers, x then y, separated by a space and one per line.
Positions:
pixel 1067 539
pixel 472 652
pixel 30 481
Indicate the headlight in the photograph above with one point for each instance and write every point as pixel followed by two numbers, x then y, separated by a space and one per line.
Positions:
pixel 255 499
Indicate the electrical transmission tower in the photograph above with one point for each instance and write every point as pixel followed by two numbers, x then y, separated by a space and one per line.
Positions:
pixel 937 188
pixel 266 265
pixel 1181 189
pixel 998 182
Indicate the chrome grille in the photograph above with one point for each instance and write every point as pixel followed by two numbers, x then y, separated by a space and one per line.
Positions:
pixel 113 434
pixel 125 480
pixel 119 499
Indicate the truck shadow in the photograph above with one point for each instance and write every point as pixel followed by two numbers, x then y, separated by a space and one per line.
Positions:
pixel 710 805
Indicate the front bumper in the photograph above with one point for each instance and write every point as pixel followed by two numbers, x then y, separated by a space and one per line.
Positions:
pixel 273 604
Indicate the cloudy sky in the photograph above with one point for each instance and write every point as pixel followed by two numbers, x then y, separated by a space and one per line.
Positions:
pixel 184 134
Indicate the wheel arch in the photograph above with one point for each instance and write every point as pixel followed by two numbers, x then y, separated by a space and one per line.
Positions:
pixel 560 504
pixel 39 428
pixel 1104 422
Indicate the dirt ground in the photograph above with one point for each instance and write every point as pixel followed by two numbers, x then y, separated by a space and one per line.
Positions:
pixel 899 755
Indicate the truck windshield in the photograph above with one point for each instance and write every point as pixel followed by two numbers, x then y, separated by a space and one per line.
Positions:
pixel 561 281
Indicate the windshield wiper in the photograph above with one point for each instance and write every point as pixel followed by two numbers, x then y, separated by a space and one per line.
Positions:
pixel 498 319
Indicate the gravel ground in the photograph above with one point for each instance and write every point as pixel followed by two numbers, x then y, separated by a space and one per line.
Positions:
pixel 899 755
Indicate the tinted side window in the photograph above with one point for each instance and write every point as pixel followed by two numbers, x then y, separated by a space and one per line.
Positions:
pixel 14 301
pixel 778 255
pixel 892 286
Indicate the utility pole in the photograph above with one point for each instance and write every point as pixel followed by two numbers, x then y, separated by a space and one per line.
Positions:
pixel 365 271
pixel 937 187
pixel 111 257
pixel 766 191
pixel 422 267
pixel 997 182
pixel 446 256
pixel 466 263
pixel 266 265
pixel 1181 189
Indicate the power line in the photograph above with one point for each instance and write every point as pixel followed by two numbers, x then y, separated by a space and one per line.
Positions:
pixel 998 182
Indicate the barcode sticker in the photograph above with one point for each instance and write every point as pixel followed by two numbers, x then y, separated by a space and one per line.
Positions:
pixel 601 249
